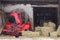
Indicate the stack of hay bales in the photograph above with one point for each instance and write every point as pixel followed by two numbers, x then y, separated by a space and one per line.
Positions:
pixel 58 30
pixel 30 34
pixel 38 29
pixel 51 24
pixel 46 30
pixel 53 34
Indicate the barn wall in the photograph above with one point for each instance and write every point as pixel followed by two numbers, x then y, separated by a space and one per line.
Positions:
pixel 34 2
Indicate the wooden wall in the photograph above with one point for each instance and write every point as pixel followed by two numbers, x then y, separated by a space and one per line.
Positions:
pixel 33 2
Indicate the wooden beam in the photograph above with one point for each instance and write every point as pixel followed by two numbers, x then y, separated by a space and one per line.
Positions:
pixel 49 5
pixel 59 13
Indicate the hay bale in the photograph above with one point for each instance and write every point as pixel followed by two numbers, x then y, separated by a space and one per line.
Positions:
pixel 26 33
pixel 34 34
pixel 58 30
pixel 45 24
pixel 30 34
pixel 46 30
pixel 51 24
pixel 38 28
pixel 53 34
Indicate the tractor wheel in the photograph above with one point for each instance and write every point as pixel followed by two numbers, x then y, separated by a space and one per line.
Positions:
pixel 17 35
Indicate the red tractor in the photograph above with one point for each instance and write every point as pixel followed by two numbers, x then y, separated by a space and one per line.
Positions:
pixel 16 26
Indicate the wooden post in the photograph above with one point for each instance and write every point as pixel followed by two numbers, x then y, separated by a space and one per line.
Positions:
pixel 59 13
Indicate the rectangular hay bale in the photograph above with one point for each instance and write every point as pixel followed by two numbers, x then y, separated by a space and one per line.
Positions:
pixel 45 24
pixel 31 34
pixel 58 31
pixel 51 24
pixel 26 33
pixel 46 30
pixel 35 34
pixel 53 34
pixel 38 28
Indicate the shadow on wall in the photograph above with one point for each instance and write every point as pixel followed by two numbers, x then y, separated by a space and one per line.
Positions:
pixel 42 14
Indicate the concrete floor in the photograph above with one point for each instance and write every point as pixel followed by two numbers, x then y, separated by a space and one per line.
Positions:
pixel 7 37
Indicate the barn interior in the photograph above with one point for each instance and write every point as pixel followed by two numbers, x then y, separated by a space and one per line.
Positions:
pixel 42 14
pixel 43 11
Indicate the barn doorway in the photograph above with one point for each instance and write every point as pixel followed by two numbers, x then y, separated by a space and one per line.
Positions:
pixel 45 13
